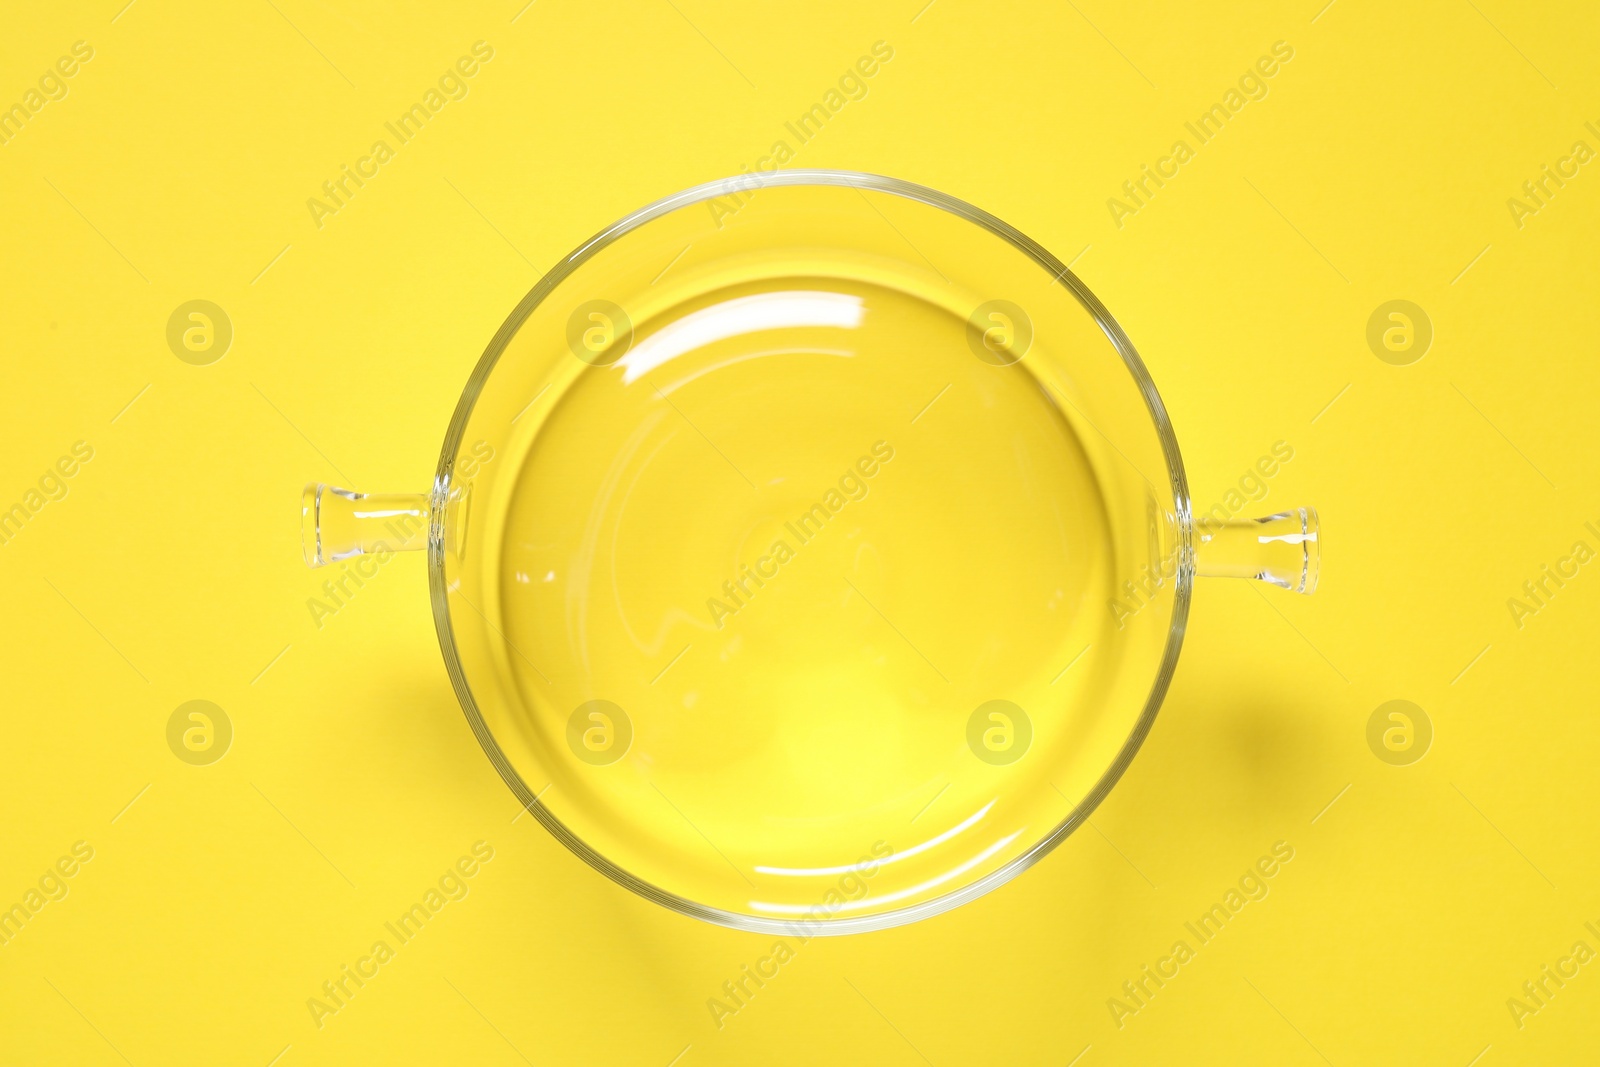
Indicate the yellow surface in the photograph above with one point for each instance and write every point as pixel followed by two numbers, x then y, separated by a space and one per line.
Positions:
pixel 1378 166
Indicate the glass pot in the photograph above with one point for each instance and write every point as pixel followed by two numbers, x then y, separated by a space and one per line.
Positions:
pixel 810 550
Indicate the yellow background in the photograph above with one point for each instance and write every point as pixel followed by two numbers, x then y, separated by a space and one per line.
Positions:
pixel 1377 168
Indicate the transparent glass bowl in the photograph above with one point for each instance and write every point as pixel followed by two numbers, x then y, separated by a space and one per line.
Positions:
pixel 810 550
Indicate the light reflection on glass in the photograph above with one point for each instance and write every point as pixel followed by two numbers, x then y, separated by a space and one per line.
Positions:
pixel 805 872
pixel 742 315
pixel 870 901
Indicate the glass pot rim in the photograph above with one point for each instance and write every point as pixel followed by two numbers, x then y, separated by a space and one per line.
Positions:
pixel 1119 339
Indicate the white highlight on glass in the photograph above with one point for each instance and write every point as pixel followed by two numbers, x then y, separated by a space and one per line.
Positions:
pixel 932 842
pixel 742 315
pixel 870 901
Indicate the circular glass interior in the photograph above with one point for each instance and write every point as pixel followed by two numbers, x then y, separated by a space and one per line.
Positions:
pixel 813 547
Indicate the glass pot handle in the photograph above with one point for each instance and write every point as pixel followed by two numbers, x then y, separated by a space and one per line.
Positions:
pixel 1281 549
pixel 337 523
